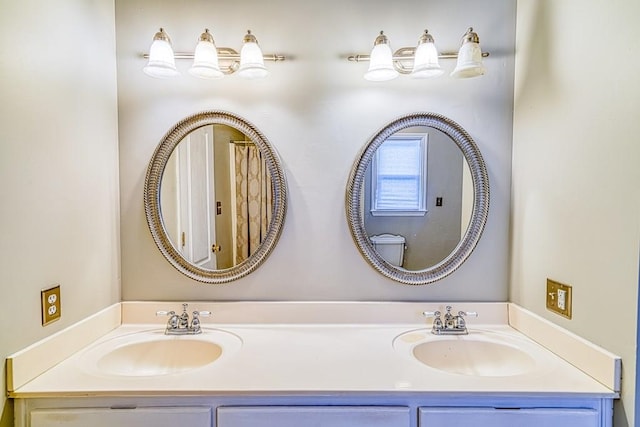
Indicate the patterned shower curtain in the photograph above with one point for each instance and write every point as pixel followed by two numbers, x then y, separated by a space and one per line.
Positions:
pixel 254 198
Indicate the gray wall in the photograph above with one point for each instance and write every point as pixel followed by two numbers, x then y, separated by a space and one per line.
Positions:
pixel 576 180
pixel 318 111
pixel 59 210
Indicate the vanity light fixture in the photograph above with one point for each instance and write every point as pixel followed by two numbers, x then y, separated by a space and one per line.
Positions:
pixel 205 59
pixel 251 59
pixel 425 63
pixel 161 63
pixel 469 57
pixel 209 61
pixel 422 61
pixel 381 61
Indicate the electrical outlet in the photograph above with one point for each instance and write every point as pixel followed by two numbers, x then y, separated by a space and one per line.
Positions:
pixel 562 299
pixel 559 298
pixel 51 307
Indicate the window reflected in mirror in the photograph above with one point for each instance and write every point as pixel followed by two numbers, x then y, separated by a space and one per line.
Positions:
pixel 399 176
pixel 418 198
pixel 427 197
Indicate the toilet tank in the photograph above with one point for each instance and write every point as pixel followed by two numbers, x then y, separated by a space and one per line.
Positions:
pixel 390 247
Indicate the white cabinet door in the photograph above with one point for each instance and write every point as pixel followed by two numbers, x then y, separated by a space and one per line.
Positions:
pixel 529 417
pixel 313 416
pixel 105 417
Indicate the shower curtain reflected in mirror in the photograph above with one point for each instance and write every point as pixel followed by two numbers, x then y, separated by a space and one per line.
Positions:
pixel 253 198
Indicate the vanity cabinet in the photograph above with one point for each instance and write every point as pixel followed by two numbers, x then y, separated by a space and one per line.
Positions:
pixel 384 409
pixel 325 416
pixel 125 417
pixel 521 417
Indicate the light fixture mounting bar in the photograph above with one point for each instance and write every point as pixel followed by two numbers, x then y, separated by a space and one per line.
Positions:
pixel 229 58
pixel 225 54
pixel 406 55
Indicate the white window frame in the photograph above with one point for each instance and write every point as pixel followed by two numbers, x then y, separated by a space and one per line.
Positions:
pixel 421 208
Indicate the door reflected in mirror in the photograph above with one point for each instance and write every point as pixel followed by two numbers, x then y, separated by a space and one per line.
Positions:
pixel 417 188
pixel 216 197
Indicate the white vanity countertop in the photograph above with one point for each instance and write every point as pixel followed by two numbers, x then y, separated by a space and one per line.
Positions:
pixel 314 357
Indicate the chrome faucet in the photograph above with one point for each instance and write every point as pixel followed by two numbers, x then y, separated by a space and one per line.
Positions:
pixel 451 324
pixel 180 324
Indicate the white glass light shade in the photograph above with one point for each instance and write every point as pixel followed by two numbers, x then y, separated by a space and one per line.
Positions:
pixel 381 64
pixel 426 63
pixel 469 61
pixel 205 60
pixel 469 57
pixel 251 59
pixel 161 63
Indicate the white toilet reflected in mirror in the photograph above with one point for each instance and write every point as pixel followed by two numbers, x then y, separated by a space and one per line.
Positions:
pixel 390 247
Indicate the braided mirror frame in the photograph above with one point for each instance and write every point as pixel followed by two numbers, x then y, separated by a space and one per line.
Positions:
pixel 152 197
pixel 355 191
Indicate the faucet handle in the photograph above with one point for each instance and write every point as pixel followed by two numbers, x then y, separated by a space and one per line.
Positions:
pixel 468 313
pixel 165 313
pixel 429 314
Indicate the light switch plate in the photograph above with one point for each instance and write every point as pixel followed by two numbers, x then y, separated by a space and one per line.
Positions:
pixel 559 298
pixel 51 306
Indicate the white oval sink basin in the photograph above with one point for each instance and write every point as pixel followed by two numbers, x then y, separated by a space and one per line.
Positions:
pixel 159 357
pixel 467 356
pixel 482 353
pixel 152 353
